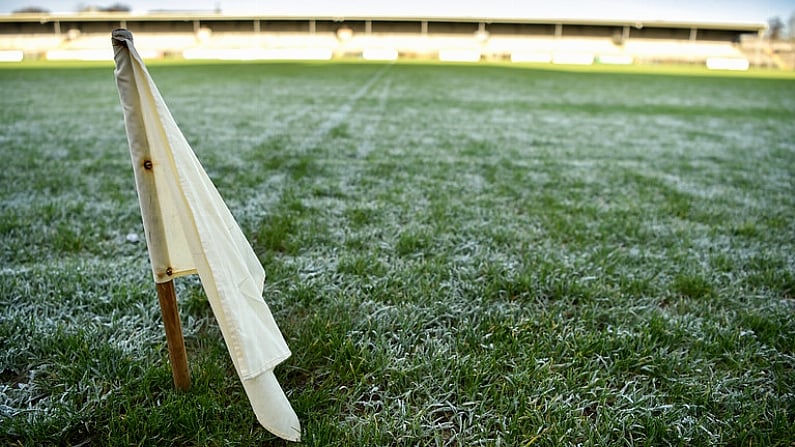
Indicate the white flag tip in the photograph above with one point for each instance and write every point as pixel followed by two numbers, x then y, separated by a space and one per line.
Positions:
pixel 271 406
pixel 121 33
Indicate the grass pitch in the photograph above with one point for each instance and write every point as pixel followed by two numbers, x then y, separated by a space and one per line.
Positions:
pixel 457 255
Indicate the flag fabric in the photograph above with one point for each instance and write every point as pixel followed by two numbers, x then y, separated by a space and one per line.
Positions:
pixel 189 229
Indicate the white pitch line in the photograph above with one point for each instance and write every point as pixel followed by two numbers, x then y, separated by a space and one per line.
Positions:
pixel 338 116
pixel 369 132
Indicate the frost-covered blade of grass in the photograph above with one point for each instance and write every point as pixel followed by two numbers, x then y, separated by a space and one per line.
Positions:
pixel 457 255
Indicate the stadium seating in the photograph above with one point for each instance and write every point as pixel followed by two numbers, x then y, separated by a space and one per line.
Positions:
pixel 30 43
pixel 445 41
pixel 649 50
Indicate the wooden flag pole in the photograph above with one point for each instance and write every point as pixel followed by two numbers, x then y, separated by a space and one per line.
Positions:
pixel 176 343
pixel 143 167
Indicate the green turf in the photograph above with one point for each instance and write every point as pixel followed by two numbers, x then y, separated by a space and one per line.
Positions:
pixel 457 255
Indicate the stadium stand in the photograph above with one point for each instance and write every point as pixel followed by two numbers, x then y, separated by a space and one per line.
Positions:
pixel 218 36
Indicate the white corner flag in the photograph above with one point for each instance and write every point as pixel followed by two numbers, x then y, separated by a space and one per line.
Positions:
pixel 189 229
